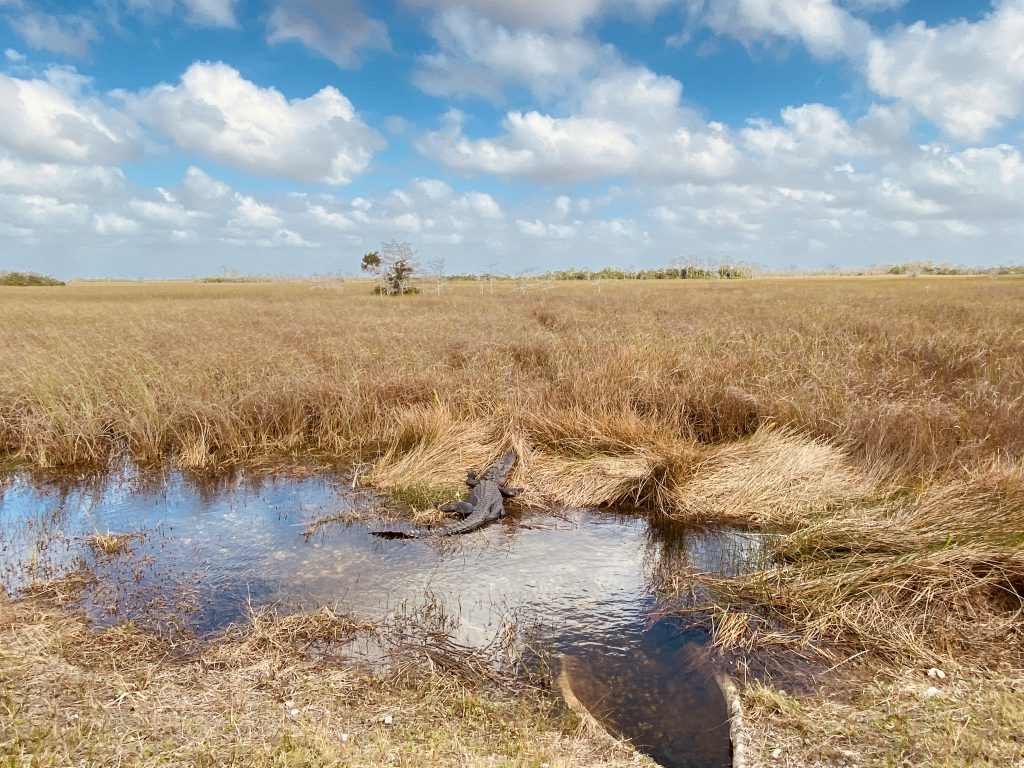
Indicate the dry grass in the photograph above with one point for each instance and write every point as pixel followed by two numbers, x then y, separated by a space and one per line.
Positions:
pixel 832 408
pixel 933 577
pixel 965 719
pixel 62 590
pixel 70 695
pixel 269 637
pixel 773 478
pixel 909 378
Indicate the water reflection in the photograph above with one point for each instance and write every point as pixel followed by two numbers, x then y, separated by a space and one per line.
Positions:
pixel 660 694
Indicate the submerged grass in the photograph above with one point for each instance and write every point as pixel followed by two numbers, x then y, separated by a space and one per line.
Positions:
pixel 317 524
pixel 112 544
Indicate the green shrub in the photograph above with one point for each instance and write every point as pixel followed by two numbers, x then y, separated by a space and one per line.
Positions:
pixel 27 278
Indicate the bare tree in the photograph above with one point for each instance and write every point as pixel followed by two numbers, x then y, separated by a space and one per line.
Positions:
pixel 523 279
pixel 436 267
pixel 490 275
pixel 394 265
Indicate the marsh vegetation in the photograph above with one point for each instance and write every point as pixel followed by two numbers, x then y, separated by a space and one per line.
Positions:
pixel 875 424
pixel 23 279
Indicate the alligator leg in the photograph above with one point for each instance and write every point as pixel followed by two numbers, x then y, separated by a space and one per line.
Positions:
pixel 458 508
pixel 471 479
pixel 508 493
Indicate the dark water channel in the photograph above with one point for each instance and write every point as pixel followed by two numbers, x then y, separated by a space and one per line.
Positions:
pixel 578 583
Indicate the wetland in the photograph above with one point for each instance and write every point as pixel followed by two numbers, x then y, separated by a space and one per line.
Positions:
pixel 861 440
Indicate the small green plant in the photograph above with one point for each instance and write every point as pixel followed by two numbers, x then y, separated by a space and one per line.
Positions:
pixel 424 496
pixel 27 278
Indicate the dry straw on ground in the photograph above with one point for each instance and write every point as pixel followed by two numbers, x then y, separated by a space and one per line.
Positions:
pixel 971 718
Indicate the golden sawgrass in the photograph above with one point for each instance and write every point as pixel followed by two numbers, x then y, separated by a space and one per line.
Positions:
pixel 774 477
pixel 935 577
pixel 912 378
pixel 432 445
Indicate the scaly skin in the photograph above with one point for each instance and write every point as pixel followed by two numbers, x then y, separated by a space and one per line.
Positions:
pixel 483 506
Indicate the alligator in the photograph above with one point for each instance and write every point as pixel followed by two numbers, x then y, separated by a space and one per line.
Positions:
pixel 483 506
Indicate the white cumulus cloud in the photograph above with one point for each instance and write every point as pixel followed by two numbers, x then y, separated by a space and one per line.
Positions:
pixel 478 56
pixel 55 119
pixel 165 214
pixel 196 13
pixel 810 135
pixel 115 224
pixel 630 122
pixel 216 112
pixel 211 13
pixel 70 34
pixel 566 15
pixel 825 28
pixel 62 181
pixel 967 78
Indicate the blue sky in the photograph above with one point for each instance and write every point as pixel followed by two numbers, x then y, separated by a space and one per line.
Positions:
pixel 166 138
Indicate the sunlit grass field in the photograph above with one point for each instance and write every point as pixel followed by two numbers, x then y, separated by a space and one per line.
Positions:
pixel 911 378
pixel 878 423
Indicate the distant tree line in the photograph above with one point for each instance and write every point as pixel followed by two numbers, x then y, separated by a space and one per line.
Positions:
pixel 914 268
pixel 27 278
pixel 689 272
pixel 724 272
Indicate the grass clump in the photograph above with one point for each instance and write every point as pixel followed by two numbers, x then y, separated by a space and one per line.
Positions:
pixel 62 590
pixel 268 635
pixel 932 578
pixel 111 544
pixel 28 279
pixel 317 524
pixel 424 496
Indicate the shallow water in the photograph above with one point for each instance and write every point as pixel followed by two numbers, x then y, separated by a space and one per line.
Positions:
pixel 578 582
